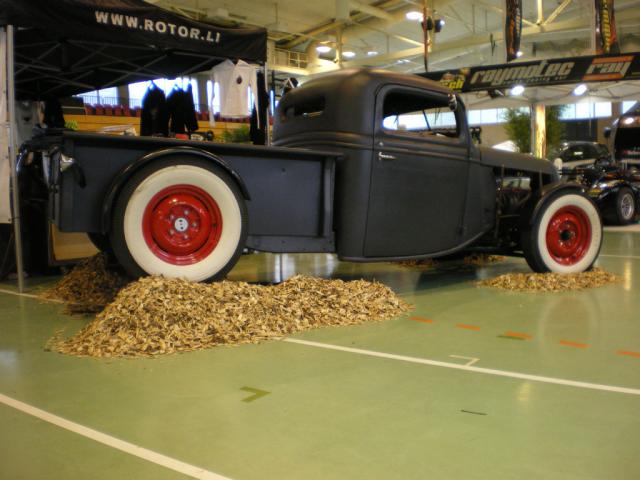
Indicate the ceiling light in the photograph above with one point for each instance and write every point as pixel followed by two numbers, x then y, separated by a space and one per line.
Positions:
pixel 348 54
pixel 519 53
pixel 517 90
pixel 414 16
pixel 580 89
pixel 372 53
pixel 323 48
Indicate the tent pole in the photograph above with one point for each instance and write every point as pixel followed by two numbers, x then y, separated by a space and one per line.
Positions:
pixel 267 135
pixel 15 203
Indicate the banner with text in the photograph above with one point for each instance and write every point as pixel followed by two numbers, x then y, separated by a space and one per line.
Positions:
pixel 599 68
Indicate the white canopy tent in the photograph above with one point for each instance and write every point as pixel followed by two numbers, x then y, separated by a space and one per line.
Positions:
pixel 9 199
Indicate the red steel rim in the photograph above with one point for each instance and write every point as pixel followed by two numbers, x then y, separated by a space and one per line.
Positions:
pixel 182 224
pixel 569 235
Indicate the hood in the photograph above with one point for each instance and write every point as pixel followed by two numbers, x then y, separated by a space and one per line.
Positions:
pixel 520 161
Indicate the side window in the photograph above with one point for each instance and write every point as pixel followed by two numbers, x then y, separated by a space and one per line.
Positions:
pixel 420 115
pixel 575 153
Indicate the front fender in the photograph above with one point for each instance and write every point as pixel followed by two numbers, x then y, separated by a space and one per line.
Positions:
pixel 534 204
pixel 123 176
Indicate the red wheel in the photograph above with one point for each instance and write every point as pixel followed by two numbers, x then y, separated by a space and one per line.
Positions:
pixel 565 236
pixel 568 235
pixel 179 217
pixel 182 224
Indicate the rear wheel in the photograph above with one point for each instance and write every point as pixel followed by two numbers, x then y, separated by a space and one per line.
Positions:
pixel 179 217
pixel 565 236
pixel 625 206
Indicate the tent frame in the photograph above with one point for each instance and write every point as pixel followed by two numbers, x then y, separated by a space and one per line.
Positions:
pixel 12 129
pixel 101 60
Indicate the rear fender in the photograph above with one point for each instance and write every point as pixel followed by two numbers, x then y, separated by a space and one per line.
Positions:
pixel 125 174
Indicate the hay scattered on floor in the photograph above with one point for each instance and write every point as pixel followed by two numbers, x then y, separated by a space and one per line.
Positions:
pixel 482 259
pixel 89 287
pixel 550 282
pixel 474 259
pixel 425 263
pixel 156 316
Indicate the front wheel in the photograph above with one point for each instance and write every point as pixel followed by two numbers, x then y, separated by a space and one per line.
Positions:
pixel 625 206
pixel 179 217
pixel 565 236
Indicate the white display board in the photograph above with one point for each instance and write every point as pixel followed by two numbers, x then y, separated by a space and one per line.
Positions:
pixel 5 166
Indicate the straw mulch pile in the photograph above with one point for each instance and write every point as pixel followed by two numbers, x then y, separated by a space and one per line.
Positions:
pixel 482 259
pixel 155 315
pixel 550 282
pixel 89 287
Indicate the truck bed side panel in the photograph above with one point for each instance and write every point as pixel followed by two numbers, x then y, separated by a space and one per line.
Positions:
pixel 291 191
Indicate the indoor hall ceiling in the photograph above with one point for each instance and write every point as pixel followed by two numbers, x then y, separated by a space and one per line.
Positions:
pixel 557 28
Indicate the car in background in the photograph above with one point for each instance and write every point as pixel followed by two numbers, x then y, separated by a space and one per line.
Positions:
pixel 624 135
pixel 581 154
pixel 615 190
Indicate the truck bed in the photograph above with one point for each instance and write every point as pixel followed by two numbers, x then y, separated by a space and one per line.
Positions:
pixel 289 190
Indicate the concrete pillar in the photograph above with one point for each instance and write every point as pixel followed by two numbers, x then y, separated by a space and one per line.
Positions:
pixel 123 94
pixel 538 130
pixel 202 91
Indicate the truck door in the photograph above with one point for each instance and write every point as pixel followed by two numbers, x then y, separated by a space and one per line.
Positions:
pixel 419 175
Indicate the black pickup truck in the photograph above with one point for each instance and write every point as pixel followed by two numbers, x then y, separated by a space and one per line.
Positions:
pixel 372 165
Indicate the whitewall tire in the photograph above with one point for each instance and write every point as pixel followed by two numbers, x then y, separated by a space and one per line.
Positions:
pixel 179 217
pixel 565 236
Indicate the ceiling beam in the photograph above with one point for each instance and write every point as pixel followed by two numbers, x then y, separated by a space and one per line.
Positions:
pixel 370 10
pixel 556 12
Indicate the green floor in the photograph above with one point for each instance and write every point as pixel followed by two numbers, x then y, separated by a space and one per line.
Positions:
pixel 343 414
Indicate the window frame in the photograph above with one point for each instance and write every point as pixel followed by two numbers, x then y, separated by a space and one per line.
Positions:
pixel 459 115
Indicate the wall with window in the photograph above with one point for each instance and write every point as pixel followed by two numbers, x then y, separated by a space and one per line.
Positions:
pixel 138 90
pixel 602 114
pixel 105 96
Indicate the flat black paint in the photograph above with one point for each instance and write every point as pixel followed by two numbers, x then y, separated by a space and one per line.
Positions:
pixel 334 194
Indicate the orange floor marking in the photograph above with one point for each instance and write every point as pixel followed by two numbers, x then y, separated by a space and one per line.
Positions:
pixel 630 354
pixel 420 319
pixel 573 344
pixel 467 327
pixel 525 336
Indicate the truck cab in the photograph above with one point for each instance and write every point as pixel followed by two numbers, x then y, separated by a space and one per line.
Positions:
pixel 406 159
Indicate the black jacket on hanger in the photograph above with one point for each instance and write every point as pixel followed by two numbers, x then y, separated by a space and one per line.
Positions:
pixel 154 118
pixel 53 116
pixel 182 112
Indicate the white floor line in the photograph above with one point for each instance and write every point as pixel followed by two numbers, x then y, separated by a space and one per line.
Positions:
pixel 471 361
pixel 30 295
pixel 619 256
pixel 130 448
pixel 457 366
